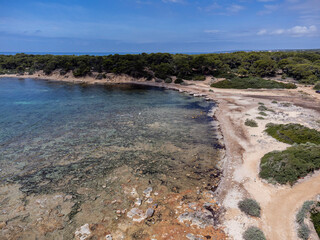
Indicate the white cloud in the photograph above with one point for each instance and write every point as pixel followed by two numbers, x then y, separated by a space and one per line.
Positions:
pixel 212 31
pixel 302 30
pixel 297 31
pixel 262 32
pixel 269 8
pixel 234 8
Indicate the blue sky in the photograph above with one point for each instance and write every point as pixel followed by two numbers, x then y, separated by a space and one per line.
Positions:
pixel 158 25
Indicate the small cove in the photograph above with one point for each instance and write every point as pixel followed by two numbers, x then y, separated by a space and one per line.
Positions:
pixel 72 154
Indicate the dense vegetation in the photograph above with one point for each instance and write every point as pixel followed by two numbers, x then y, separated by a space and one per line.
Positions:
pixel 250 206
pixel 303 230
pixel 291 164
pixel 251 82
pixel 315 218
pixel 293 133
pixel 303 66
pixel 251 123
pixel 253 233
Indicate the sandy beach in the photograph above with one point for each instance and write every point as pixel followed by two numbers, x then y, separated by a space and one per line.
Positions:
pixel 244 147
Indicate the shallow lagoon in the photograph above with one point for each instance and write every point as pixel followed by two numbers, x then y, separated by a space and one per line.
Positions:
pixel 72 154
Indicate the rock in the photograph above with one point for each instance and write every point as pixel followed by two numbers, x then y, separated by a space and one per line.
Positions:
pixel 190 236
pixel 136 215
pixel 68 197
pixel 83 232
pixel 134 193
pixel 138 202
pixel 147 192
pixel 150 200
pixel 201 219
pixel 149 212
pixel 2 225
pixel 109 237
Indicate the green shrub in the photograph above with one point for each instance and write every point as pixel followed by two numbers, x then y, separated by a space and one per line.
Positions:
pixel 178 81
pixel 303 232
pixel 315 218
pixel 168 80
pixel 274 101
pixel 293 133
pixel 302 213
pixel 263 114
pixel 199 78
pixel 262 108
pixel 253 233
pixel 317 86
pixel 251 82
pixel 251 123
pixel 291 164
pixel 250 207
pixel 260 118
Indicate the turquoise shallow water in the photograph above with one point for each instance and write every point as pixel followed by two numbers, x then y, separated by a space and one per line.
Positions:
pixel 59 138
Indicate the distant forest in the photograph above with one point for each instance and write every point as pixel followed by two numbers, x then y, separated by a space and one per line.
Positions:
pixel 303 66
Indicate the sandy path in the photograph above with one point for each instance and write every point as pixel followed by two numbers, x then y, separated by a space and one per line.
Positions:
pixel 244 148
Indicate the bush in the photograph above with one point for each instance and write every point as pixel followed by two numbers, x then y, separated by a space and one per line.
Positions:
pixel 168 80
pixel 260 118
pixel 178 81
pixel 251 123
pixel 293 133
pixel 263 114
pixel 303 212
pixel 262 108
pixel 315 218
pixel 250 206
pixel 317 86
pixel 250 82
pixel 291 164
pixel 253 233
pixel 198 78
pixel 304 232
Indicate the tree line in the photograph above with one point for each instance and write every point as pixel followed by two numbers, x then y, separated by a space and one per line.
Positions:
pixel 303 66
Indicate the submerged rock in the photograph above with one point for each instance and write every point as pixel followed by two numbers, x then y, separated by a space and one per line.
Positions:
pixel 83 232
pixel 147 192
pixel 149 212
pixel 136 214
pixel 190 236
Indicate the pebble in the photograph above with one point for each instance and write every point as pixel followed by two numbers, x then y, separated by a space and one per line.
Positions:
pixel 147 192
pixel 109 237
pixel 138 202
pixel 2 224
pixel 149 212
pixel 150 200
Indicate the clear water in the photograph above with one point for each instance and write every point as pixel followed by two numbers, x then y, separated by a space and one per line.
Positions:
pixel 90 145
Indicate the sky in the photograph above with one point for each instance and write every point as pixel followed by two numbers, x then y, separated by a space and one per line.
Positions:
pixel 158 25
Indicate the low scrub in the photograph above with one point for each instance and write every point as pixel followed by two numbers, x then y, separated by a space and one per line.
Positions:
pixel 303 230
pixel 315 218
pixel 317 86
pixel 250 207
pixel 291 164
pixel 178 81
pixel 251 123
pixel 252 82
pixel 253 233
pixel 293 133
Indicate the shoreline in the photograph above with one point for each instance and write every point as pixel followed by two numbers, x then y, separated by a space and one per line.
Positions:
pixel 244 146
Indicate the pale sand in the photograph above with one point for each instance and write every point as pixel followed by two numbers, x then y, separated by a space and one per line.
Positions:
pixel 244 148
